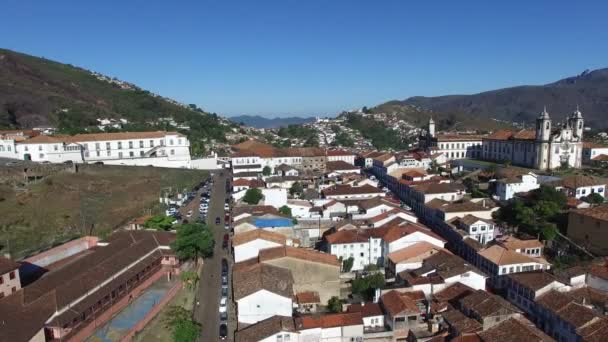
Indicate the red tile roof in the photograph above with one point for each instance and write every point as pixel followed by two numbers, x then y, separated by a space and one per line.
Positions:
pixel 396 304
pixel 329 320
pixel 308 297
pixel 339 190
pixel 366 309
pixel 7 265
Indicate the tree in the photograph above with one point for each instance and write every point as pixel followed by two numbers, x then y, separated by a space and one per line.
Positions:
pixel 296 189
pixel 334 305
pixel 179 320
pixel 190 278
pixel 366 286
pixel 266 171
pixel 253 196
pixel 193 240
pixel 285 210
pixel 159 222
pixel 548 231
pixel 347 264
pixel 594 198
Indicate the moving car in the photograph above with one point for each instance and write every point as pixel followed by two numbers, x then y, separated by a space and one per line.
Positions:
pixel 217 220
pixel 189 214
pixel 223 331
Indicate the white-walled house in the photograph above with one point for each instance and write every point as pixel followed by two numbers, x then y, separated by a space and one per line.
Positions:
pixel 273 329
pixel 498 261
pixel 592 151
pixel 336 327
pixel 247 245
pixel 477 228
pixel 581 186
pixel 299 208
pixel 160 149
pixel 508 187
pixel 341 155
pixel 372 315
pixel 372 246
pixel 262 291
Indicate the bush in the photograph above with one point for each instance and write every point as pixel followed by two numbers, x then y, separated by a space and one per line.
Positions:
pixel 347 264
pixel 159 222
pixel 366 286
pixel 334 305
pixel 285 210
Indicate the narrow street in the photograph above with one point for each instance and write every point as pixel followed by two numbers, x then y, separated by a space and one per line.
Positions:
pixel 209 290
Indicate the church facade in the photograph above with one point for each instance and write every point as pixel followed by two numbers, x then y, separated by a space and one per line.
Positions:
pixel 544 148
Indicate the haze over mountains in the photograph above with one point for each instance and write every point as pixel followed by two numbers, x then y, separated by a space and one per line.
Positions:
pixel 258 121
pixel 589 91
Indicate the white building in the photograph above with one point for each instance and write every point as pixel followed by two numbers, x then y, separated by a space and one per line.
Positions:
pixel 591 152
pixel 500 261
pixel 477 228
pixel 372 246
pixel 160 149
pixel 545 148
pixel 508 187
pixel 247 245
pixel 581 186
pixel 342 155
pixel 299 208
pixel 262 291
pixel 452 146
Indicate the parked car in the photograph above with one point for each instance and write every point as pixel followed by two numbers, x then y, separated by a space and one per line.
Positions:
pixel 223 303
pixel 226 226
pixel 225 291
pixel 223 317
pixel 224 266
pixel 225 241
pixel 223 331
pixel 226 206
pixel 224 280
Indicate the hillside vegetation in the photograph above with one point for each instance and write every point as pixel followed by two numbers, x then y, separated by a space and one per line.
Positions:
pixel 588 90
pixel 38 92
pixel 94 200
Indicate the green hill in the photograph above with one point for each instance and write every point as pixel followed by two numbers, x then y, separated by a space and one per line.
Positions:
pixel 589 91
pixel 39 92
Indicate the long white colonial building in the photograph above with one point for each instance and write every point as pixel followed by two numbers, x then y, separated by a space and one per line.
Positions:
pixel 160 149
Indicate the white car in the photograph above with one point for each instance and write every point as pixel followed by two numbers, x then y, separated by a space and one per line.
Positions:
pixel 226 226
pixel 189 214
pixel 226 206
pixel 223 302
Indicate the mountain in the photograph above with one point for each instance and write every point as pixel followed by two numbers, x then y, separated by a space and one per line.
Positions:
pixel 589 91
pixel 36 91
pixel 262 122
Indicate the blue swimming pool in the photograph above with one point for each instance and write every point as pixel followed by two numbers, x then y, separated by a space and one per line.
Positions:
pixel 273 222
pixel 122 323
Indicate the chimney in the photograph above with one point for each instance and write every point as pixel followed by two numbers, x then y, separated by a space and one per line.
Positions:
pixel 483 203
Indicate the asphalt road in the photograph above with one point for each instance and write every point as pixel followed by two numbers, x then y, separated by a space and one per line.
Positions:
pixel 209 290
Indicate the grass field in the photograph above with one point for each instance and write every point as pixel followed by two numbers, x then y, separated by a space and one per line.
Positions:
pixel 94 201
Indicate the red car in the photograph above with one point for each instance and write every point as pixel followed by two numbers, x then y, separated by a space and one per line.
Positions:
pixel 225 242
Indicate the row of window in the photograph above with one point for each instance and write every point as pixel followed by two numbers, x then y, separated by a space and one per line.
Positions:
pixel 459 146
pixel 11 276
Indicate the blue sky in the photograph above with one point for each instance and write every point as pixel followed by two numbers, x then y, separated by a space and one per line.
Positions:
pixel 313 57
